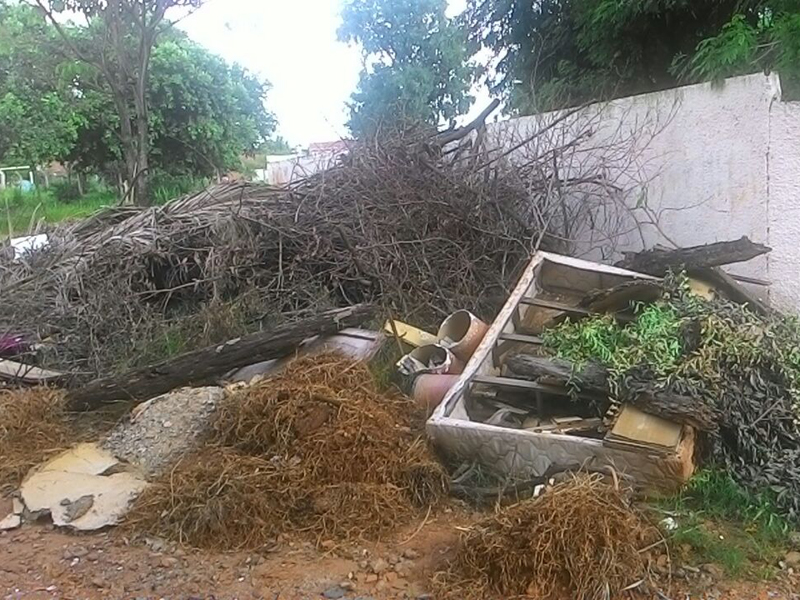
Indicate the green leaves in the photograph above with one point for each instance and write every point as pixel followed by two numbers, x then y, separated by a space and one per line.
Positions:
pixel 417 63
pixel 653 339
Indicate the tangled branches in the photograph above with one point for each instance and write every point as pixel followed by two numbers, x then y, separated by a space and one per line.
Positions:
pixel 403 222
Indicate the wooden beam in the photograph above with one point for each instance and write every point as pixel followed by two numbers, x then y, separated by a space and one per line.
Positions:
pixel 658 261
pixel 202 366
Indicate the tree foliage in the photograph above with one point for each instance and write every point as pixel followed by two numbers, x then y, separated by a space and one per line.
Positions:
pixel 565 52
pixel 37 119
pixel 124 34
pixel 417 62
pixel 204 113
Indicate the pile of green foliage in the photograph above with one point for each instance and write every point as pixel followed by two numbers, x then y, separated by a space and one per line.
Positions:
pixel 746 366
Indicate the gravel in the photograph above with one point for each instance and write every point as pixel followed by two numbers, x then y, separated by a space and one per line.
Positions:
pixel 160 431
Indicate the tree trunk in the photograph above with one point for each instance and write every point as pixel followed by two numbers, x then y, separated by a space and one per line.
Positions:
pixel 204 365
pixel 658 261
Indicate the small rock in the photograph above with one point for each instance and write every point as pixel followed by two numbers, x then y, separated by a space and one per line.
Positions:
pixel 93 557
pixel 75 552
pixel 379 566
pixel 167 423
pixel 390 576
pixel 794 539
pixel 402 571
pixel 363 564
pixel 394 559
pixel 381 585
pixel 10 522
pixel 347 585
pixel 98 582
pixel 334 593
pixel 425 597
pixel 169 562
pixel 328 545
pixel 370 578
pixel 792 559
pixel 76 509
pixel 411 554
pixel 715 571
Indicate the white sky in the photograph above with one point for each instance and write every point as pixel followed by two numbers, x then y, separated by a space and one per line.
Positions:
pixel 292 43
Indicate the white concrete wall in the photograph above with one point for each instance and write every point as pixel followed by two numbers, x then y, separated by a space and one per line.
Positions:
pixel 712 163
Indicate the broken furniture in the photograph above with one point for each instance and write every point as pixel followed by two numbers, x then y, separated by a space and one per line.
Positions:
pixel 550 289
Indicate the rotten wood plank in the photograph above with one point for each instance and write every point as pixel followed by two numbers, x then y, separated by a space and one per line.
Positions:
pixel 201 366
pixel 658 261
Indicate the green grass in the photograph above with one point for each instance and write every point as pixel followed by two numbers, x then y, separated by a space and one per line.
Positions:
pixel 719 522
pixel 20 212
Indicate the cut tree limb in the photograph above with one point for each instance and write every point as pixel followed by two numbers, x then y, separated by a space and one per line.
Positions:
pixel 593 377
pixel 201 366
pixel 658 261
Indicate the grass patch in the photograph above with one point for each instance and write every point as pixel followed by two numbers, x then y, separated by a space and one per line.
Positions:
pixel 720 522
pixel 22 211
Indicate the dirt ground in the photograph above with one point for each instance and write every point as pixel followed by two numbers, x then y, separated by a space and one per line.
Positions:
pixel 39 562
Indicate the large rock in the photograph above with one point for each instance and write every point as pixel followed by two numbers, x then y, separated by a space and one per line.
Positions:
pixel 158 432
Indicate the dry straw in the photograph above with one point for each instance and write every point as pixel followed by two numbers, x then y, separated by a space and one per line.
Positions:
pixel 316 449
pixel 580 540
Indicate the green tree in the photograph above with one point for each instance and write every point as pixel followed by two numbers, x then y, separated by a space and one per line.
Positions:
pixel 38 120
pixel 204 113
pixel 565 52
pixel 417 62
pixel 120 47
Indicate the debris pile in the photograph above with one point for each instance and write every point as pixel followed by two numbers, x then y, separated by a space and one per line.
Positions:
pixel 581 538
pixel 406 226
pixel 710 363
pixel 33 427
pixel 316 448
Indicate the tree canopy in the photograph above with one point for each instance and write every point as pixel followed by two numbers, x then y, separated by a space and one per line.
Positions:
pixel 565 52
pixel 417 62
pixel 204 113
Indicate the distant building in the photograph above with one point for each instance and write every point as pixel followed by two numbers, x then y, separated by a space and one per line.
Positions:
pixel 288 168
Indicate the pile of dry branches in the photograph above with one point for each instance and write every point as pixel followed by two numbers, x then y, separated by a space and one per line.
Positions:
pixel 580 539
pixel 314 449
pixel 419 227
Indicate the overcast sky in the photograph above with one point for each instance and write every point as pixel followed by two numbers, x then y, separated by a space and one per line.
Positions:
pixel 293 44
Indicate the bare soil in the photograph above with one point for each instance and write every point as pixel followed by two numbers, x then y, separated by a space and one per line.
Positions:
pixel 40 562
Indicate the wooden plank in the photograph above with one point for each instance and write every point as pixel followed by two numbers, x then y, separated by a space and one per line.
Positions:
pixel 568 309
pixel 520 384
pixel 14 371
pixel 201 366
pixel 521 338
pixel 658 261
pixel 409 334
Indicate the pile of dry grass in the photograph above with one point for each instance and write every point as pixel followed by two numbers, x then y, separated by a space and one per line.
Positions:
pixel 316 449
pixel 33 427
pixel 580 539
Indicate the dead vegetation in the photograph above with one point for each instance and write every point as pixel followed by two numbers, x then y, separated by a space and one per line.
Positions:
pixel 33 427
pixel 581 538
pixel 418 228
pixel 316 449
